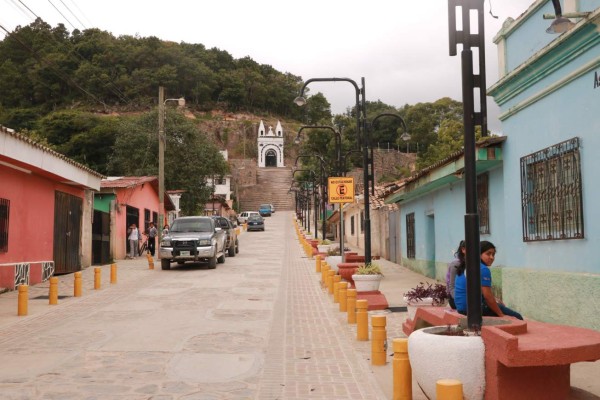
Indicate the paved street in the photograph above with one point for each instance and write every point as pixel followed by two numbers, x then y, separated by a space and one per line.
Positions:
pixel 257 327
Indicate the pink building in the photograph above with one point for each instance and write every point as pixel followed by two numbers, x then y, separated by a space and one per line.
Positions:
pixel 46 203
pixel 128 200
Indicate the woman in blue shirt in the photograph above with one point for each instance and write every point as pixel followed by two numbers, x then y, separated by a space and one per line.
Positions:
pixel 489 307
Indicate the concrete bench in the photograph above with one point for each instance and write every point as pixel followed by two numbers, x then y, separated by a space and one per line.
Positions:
pixel 523 359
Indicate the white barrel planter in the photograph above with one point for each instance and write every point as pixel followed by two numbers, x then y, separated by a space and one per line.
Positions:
pixel 366 283
pixel 333 262
pixel 323 248
pixel 434 357
pixel 412 306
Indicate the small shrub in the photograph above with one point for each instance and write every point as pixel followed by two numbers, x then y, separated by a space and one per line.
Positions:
pixel 334 252
pixel 325 242
pixel 369 269
pixel 436 291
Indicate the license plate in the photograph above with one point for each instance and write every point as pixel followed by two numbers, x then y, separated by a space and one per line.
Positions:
pixel 184 253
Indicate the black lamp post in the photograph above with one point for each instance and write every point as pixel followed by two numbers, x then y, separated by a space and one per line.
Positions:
pixel 322 192
pixel 314 193
pixel 471 118
pixel 361 113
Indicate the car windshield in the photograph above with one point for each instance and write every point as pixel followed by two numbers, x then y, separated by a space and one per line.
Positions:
pixel 254 217
pixel 191 225
pixel 265 206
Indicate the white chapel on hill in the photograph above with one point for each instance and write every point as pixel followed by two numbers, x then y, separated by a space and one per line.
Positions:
pixel 270 146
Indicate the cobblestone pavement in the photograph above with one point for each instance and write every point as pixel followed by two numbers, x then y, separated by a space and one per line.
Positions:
pixel 257 327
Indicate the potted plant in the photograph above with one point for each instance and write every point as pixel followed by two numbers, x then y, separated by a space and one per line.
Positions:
pixel 333 258
pixel 425 295
pixel 367 277
pixel 324 246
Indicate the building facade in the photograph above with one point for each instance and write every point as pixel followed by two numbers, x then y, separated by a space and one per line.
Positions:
pixel 270 146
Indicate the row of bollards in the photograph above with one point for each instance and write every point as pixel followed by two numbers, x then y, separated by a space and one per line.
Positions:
pixel 23 295
pixel 357 313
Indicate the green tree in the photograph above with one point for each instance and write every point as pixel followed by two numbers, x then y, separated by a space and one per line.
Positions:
pixel 190 157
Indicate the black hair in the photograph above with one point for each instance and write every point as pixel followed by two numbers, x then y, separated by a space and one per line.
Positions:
pixel 460 269
pixel 485 246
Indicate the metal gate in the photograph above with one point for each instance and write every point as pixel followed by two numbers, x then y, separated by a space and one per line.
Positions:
pixel 101 238
pixel 67 232
pixel 394 239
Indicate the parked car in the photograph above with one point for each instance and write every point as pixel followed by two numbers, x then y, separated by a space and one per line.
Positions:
pixel 232 244
pixel 272 208
pixel 243 217
pixel 193 239
pixel 264 210
pixel 256 223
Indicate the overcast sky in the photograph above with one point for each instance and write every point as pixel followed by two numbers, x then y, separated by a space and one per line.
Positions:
pixel 400 47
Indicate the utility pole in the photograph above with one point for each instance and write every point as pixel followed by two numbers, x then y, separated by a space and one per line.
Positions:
pixel 161 161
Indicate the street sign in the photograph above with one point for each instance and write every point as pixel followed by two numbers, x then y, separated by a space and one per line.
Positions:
pixel 341 189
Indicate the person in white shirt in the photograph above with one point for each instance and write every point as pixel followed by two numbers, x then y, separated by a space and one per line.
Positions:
pixel 134 237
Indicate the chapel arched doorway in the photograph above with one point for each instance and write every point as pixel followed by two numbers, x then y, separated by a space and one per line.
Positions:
pixel 271 158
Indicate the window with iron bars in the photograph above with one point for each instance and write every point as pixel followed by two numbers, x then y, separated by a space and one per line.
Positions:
pixel 483 203
pixel 410 235
pixel 4 213
pixel 352 225
pixel 551 201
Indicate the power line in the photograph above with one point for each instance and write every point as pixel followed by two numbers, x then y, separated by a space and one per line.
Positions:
pixel 73 14
pixel 62 15
pixel 51 66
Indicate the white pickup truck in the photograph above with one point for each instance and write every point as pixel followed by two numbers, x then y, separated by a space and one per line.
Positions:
pixel 193 239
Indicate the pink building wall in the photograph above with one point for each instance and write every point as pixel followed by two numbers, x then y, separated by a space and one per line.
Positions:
pixel 31 223
pixel 142 197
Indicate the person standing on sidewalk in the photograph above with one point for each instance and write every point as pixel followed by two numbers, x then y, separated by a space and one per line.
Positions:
pixel 134 237
pixel 152 233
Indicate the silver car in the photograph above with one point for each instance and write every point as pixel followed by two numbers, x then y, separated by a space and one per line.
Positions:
pixel 193 239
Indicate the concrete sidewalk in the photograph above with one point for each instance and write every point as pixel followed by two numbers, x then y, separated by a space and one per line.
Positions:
pixel 585 384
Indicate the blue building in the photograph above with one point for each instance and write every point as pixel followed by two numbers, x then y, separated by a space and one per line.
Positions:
pixel 537 186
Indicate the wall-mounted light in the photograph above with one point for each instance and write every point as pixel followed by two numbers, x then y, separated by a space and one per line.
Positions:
pixel 560 23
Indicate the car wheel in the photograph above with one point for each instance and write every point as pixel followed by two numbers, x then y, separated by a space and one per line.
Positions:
pixel 231 251
pixel 212 262
pixel 165 264
pixel 221 259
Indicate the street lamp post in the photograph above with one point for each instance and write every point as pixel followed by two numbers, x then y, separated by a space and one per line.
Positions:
pixel 313 182
pixel 361 128
pixel 161 156
pixel 471 118
pixel 322 193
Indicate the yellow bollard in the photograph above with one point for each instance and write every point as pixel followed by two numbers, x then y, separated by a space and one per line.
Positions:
pixel 77 284
pixel 336 286
pixel 318 264
pixel 53 292
pixel 342 295
pixel 351 305
pixel 22 300
pixel 150 261
pixel 97 278
pixel 113 273
pixel 245 226
pixel 324 274
pixel 362 320
pixel 330 275
pixel 449 389
pixel 401 370
pixel 378 340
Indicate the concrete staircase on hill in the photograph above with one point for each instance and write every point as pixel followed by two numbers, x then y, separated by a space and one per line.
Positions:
pixel 271 188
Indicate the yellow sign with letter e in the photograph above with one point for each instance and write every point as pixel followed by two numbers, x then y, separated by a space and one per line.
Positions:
pixel 341 189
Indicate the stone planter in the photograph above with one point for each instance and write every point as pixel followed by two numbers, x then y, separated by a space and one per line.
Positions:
pixel 323 248
pixel 433 357
pixel 412 306
pixel 333 262
pixel 366 283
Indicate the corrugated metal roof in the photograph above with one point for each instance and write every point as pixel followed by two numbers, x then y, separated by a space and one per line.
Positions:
pixel 126 181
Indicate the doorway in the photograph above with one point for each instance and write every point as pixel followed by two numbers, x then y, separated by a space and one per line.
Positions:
pixel 68 210
pixel 271 158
